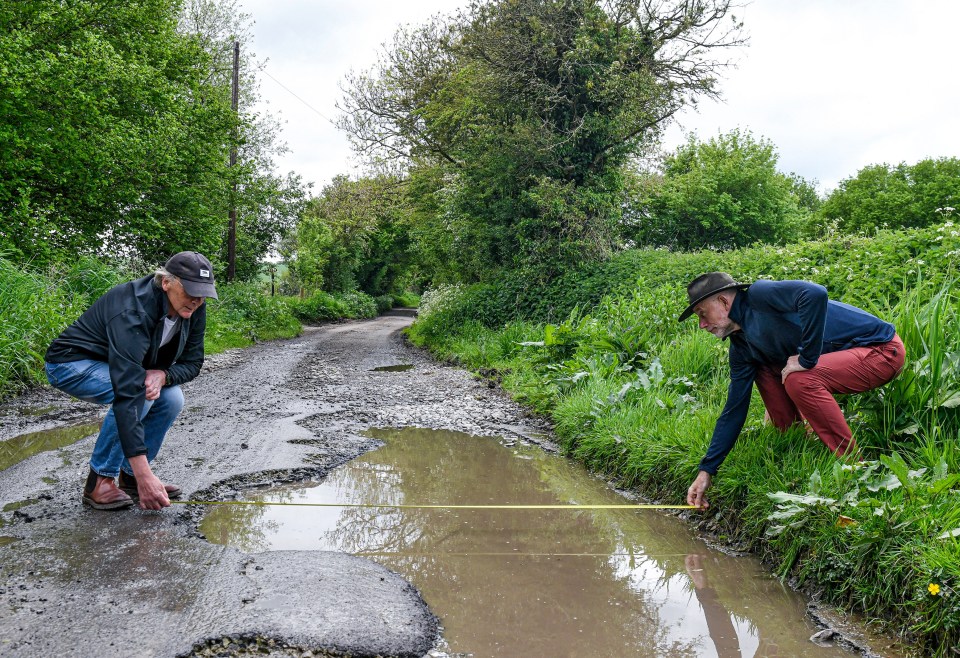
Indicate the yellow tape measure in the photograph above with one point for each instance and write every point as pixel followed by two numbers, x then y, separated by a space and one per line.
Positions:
pixel 388 506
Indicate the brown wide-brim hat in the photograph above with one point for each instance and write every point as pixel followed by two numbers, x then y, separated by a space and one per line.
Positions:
pixel 707 285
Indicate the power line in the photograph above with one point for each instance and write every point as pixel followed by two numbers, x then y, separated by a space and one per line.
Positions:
pixel 298 98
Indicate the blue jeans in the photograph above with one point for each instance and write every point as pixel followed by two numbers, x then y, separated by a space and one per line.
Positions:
pixel 89 380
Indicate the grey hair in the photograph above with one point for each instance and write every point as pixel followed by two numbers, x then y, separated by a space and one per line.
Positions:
pixel 161 274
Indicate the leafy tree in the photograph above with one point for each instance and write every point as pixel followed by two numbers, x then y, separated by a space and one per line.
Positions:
pixel 881 196
pixel 115 127
pixel 105 128
pixel 353 236
pixel 721 194
pixel 523 112
pixel 268 205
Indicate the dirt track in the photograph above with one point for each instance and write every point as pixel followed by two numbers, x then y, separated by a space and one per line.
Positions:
pixel 77 582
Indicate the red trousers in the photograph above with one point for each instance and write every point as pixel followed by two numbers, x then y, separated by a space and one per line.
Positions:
pixel 809 394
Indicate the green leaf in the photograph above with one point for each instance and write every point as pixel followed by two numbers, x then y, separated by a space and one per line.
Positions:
pixel 816 482
pixel 888 483
pixel 952 401
pixel 944 484
pixel 786 512
pixel 784 497
pixel 899 467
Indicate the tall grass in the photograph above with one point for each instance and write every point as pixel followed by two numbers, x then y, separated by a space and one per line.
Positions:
pixel 35 306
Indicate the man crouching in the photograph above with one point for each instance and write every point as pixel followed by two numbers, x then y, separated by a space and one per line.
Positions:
pixel 132 349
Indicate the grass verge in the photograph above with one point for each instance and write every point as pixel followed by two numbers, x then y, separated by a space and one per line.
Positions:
pixel 635 395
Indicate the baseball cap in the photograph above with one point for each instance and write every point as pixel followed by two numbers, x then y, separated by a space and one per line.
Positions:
pixel 195 273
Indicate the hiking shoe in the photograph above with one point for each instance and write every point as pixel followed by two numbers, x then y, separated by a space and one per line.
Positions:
pixel 128 484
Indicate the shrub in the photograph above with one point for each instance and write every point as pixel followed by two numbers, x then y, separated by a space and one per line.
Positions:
pixel 384 303
pixel 244 315
pixel 891 262
pixel 881 196
pixel 407 299
pixel 323 306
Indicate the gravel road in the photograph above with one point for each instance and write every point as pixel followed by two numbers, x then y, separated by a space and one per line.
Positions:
pixel 79 582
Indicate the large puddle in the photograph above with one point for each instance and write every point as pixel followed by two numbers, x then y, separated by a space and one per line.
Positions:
pixel 529 582
pixel 15 450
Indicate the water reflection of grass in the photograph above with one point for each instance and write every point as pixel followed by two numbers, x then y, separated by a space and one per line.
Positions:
pixel 15 450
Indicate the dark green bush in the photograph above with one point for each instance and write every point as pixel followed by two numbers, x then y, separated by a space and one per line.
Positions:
pixel 323 306
pixel 384 303
pixel 317 307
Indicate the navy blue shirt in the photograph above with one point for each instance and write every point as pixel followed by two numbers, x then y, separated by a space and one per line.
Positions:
pixel 779 319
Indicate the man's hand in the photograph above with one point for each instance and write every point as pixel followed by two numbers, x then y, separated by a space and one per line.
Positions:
pixel 154 382
pixel 793 365
pixel 695 494
pixel 149 487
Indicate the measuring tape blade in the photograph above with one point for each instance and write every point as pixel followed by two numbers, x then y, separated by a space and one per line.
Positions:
pixel 397 506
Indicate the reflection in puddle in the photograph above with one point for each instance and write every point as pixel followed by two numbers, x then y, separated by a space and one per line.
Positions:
pixel 400 368
pixel 15 450
pixel 36 411
pixel 529 582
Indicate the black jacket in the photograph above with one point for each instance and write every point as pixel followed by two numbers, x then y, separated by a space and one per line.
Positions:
pixel 124 328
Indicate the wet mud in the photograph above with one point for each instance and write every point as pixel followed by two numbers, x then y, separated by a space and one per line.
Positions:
pixel 75 581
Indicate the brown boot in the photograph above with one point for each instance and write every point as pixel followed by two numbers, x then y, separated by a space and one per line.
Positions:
pixel 128 484
pixel 102 493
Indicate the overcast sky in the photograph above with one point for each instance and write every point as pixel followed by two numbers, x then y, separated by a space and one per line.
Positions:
pixel 835 84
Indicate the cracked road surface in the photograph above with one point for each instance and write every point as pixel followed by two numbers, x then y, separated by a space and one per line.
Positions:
pixel 80 582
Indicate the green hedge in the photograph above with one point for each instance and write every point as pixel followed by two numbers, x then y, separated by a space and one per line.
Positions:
pixel 891 261
pixel 322 306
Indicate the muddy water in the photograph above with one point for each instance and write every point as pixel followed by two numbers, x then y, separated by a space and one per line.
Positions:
pixel 400 368
pixel 15 450
pixel 529 582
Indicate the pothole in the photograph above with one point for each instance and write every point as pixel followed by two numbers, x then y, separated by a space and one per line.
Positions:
pixel 15 450
pixel 587 580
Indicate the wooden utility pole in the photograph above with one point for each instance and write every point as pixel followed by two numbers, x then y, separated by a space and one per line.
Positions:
pixel 235 105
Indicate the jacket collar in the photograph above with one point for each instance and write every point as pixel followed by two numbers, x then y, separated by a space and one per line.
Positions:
pixel 739 308
pixel 161 299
